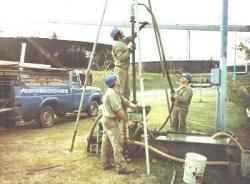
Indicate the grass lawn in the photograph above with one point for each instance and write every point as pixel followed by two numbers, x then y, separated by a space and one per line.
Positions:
pixel 151 80
pixel 39 156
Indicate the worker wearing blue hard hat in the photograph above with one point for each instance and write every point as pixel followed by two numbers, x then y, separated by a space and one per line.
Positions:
pixel 182 100
pixel 120 54
pixel 121 57
pixel 110 80
pixel 114 33
pixel 113 115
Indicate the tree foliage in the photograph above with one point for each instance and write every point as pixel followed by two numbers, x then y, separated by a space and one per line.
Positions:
pixel 239 90
pixel 245 49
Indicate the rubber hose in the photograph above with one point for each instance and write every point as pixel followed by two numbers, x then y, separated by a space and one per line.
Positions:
pixel 219 134
pixel 166 121
pixel 162 59
pixel 92 131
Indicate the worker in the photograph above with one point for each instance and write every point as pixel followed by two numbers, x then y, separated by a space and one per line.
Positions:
pixel 83 74
pixel 120 54
pixel 182 99
pixel 113 114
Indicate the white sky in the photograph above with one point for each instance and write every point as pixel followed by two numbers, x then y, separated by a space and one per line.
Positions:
pixel 30 17
pixel 168 11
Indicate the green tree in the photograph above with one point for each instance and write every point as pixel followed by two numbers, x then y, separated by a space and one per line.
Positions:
pixel 245 49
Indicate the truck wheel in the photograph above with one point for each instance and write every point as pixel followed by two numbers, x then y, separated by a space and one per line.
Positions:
pixel 93 109
pixel 47 117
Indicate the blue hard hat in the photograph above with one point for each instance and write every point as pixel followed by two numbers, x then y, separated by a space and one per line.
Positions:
pixel 187 76
pixel 110 80
pixel 114 32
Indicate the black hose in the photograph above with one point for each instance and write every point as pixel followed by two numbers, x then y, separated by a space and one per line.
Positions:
pixel 90 137
pixel 164 63
pixel 168 117
pixel 162 54
pixel 162 59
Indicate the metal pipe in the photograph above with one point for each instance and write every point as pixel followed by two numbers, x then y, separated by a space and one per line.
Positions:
pixel 221 124
pixel 132 21
pixel 143 106
pixel 188 45
pixel 87 76
pixel 193 27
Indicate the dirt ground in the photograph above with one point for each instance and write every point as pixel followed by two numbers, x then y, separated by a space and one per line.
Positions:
pixel 38 156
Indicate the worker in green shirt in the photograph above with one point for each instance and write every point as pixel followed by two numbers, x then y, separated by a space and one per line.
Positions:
pixel 182 99
pixel 121 57
pixel 113 115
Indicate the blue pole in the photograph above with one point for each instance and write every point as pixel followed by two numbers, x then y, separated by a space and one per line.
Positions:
pixel 221 124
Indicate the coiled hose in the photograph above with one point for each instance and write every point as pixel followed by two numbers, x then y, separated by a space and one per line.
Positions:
pixel 219 134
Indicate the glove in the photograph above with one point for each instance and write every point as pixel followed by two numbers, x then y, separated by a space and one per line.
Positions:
pixel 147 108
pixel 131 47
pixel 143 24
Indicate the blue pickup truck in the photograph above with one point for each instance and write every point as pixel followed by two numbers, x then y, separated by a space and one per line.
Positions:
pixel 43 95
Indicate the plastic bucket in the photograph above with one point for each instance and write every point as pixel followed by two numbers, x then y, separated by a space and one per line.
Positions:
pixel 194 168
pixel 245 163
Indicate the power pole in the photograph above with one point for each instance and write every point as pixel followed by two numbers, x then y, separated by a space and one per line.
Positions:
pixel 221 101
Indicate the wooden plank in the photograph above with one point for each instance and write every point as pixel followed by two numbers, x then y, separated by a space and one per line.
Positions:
pixel 4 63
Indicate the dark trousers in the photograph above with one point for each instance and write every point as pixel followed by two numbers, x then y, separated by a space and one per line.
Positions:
pixel 179 116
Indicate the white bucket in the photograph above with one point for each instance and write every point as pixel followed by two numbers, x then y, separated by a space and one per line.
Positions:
pixel 194 169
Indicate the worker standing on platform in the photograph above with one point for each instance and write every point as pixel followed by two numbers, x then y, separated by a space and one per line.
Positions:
pixel 121 57
pixel 113 114
pixel 182 99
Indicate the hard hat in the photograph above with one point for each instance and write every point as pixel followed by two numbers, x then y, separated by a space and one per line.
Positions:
pixel 187 76
pixel 110 80
pixel 114 32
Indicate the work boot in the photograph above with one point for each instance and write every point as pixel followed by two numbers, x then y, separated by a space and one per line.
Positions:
pixel 126 171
